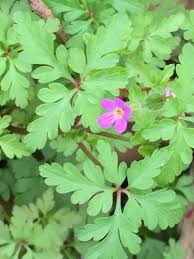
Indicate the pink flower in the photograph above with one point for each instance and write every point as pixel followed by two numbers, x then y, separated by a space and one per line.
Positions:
pixel 118 114
pixel 168 93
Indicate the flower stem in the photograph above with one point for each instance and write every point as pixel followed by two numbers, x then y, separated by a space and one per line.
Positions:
pixel 109 135
pixel 89 154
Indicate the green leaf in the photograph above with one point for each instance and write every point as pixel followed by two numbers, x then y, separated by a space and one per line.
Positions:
pixel 106 80
pixel 90 186
pixel 172 168
pixel 76 54
pixel 182 142
pixel 114 233
pixel 124 5
pixel 13 80
pixel 150 248
pixel 187 26
pixel 141 174
pixel 173 107
pixel 113 172
pixel 169 25
pixel 12 147
pixel 163 129
pixel 154 101
pixel 4 122
pixel 46 203
pixel 37 40
pixel 159 208
pixel 158 42
pixel 148 74
pixel 17 85
pixel 174 251
pixel 55 113
pixel 5 23
pixel 185 186
pixel 5 235
pixel 39 227
pixel 185 87
pixel 28 184
pixel 68 145
pixel 111 38
pixel 88 106
pixel 54 70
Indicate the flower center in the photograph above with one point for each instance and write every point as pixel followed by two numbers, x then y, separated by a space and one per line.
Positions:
pixel 118 113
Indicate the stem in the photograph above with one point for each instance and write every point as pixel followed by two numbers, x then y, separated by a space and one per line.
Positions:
pixel 89 154
pixel 109 135
pixel 118 203
pixel 20 131
pixel 39 7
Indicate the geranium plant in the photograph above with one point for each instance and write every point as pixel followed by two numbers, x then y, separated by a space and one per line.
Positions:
pixel 96 128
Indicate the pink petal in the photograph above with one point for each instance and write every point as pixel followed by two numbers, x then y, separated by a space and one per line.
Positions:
pixel 127 112
pixel 167 91
pixel 108 104
pixel 120 103
pixel 106 120
pixel 120 125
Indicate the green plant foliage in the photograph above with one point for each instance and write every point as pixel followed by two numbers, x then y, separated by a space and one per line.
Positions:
pixel 9 143
pixel 174 250
pixel 33 226
pixel 73 75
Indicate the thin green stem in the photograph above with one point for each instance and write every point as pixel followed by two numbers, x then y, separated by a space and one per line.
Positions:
pixel 109 135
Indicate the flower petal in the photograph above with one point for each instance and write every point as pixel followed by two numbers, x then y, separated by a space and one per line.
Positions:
pixel 127 112
pixel 106 120
pixel 167 91
pixel 119 103
pixel 108 104
pixel 120 125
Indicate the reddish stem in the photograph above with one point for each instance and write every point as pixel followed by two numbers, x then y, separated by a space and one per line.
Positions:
pixel 89 154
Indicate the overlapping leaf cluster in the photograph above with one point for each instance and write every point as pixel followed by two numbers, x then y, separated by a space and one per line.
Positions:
pixel 50 95
pixel 36 231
